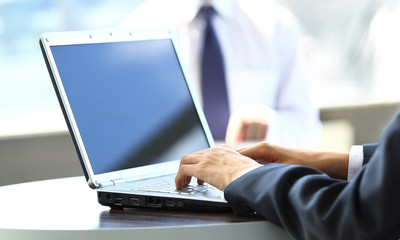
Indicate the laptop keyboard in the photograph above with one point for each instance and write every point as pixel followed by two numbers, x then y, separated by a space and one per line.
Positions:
pixel 169 187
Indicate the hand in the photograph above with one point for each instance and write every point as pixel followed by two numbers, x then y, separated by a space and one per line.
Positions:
pixel 266 152
pixel 245 129
pixel 248 124
pixel 217 166
pixel 332 163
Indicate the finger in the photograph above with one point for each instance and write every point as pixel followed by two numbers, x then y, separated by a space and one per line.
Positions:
pixel 255 152
pixel 185 174
pixel 251 132
pixel 200 182
pixel 261 131
pixel 180 183
pixel 226 146
pixel 234 130
pixel 183 177
pixel 244 126
pixel 192 158
pixel 231 133
pixel 241 149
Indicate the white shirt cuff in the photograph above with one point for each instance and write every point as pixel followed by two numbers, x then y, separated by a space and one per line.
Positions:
pixel 355 161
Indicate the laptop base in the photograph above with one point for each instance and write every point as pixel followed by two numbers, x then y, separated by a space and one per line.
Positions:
pixel 122 200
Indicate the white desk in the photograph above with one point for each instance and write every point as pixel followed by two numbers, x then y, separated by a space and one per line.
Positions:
pixel 67 209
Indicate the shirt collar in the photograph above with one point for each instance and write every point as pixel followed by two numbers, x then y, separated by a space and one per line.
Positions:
pixel 224 8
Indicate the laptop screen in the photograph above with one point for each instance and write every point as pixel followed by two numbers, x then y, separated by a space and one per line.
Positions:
pixel 130 102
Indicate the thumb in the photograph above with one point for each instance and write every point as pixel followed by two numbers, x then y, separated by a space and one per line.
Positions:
pixel 256 152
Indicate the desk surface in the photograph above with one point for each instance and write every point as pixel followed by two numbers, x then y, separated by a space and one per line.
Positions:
pixel 68 209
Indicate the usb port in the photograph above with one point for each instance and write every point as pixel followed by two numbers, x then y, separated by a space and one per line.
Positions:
pixel 117 200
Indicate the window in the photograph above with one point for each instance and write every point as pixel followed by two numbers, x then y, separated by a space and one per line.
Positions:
pixel 350 49
pixel 28 103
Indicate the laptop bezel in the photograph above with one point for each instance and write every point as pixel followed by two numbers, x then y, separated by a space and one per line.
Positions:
pixel 47 40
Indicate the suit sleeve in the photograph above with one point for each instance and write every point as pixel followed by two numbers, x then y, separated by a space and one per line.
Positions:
pixel 368 150
pixel 308 204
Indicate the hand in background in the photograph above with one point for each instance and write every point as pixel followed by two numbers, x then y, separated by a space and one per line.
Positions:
pixel 247 125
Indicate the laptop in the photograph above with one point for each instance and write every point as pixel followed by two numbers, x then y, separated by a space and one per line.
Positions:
pixel 132 115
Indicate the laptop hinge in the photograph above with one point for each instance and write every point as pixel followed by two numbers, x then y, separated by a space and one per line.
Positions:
pixel 114 182
pixel 118 181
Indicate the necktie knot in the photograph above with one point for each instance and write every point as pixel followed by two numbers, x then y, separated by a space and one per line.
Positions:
pixel 207 12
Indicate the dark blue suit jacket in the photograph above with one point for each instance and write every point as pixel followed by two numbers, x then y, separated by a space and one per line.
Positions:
pixel 309 204
pixel 368 150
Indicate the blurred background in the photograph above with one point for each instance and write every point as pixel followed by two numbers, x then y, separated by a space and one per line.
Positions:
pixel 350 51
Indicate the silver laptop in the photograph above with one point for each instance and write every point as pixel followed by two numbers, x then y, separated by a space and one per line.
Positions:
pixel 132 115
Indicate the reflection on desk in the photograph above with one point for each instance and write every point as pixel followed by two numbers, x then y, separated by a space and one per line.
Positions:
pixel 68 209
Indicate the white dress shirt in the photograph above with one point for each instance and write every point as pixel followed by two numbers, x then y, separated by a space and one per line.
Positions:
pixel 258 41
pixel 356 159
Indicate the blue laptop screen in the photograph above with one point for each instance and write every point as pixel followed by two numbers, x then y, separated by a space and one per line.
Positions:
pixel 130 102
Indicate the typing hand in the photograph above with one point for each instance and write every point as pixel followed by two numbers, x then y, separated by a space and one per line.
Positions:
pixel 217 166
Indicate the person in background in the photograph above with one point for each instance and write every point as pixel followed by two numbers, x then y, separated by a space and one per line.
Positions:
pixel 242 60
pixel 311 194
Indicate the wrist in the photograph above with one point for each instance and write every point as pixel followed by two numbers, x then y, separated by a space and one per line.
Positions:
pixel 335 164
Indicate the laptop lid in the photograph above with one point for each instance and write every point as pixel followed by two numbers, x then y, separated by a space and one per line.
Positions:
pixel 127 102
